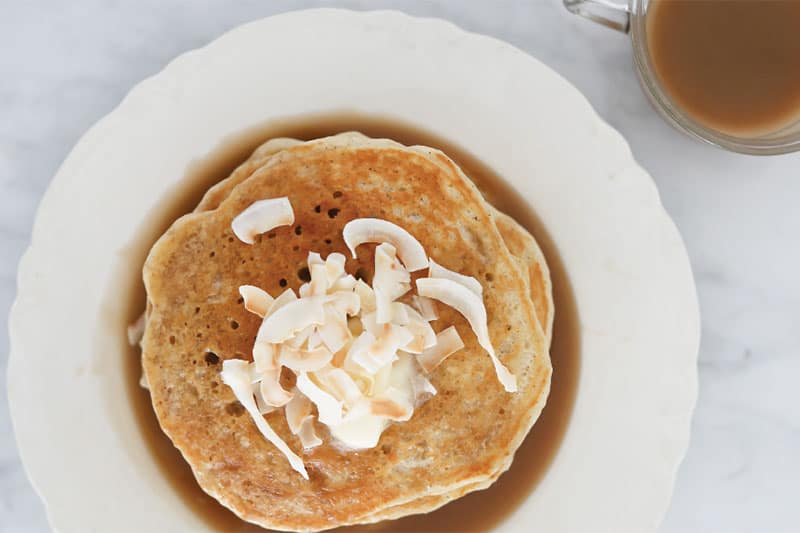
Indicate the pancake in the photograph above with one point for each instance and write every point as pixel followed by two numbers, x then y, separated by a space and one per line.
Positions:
pixel 522 244
pixel 192 277
pixel 518 240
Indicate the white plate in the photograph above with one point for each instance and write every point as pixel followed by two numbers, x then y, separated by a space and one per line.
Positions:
pixel 633 286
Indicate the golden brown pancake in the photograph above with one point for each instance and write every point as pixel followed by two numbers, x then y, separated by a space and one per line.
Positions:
pixel 519 241
pixel 465 436
pixel 522 244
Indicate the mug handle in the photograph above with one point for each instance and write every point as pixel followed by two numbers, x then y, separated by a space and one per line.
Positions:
pixel 610 13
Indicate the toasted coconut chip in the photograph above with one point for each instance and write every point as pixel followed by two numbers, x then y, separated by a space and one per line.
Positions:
pixel 304 290
pixel 340 385
pixel 363 378
pixel 314 340
pixel 437 271
pixel 416 345
pixel 383 377
pixel 393 404
pixel 360 430
pixel 423 389
pixel 283 298
pixel 334 267
pixel 344 283
pixel 359 350
pixel 370 323
pixel 256 300
pixel 391 281
pixel 271 389
pixel 390 274
pixel 329 409
pixel 425 307
pixel 315 259
pixel 448 342
pixel 290 319
pixel 299 360
pixel 261 217
pixel 264 356
pixel 136 330
pixel 297 410
pixel 362 230
pixel 334 331
pixel 470 305
pixel 399 313
pixel 308 434
pixel 365 295
pixel 345 302
pixel 384 349
pixel 319 280
pixel 424 335
pixel 263 407
pixel 301 337
pixel 236 375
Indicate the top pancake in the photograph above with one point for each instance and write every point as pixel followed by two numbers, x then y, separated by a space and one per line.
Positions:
pixel 464 435
pixel 518 240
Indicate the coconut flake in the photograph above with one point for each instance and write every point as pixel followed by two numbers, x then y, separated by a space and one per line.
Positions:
pixel 471 307
pixel 437 271
pixel 299 360
pixel 236 375
pixel 360 430
pixel 359 349
pixel 384 350
pixel 329 409
pixel 370 323
pixel 345 302
pixel 334 331
pixel 344 283
pixel 340 385
pixel 365 295
pixel 391 281
pixel 424 335
pixel 301 337
pixel 425 307
pixel 261 217
pixel 393 404
pixel 256 300
pixel 263 407
pixel 291 318
pixel 283 298
pixel 448 342
pixel 264 356
pixel 423 389
pixel 308 435
pixel 271 389
pixel 334 267
pixel 362 230
pixel 297 410
pixel 319 281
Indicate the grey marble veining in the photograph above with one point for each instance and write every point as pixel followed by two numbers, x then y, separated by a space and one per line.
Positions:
pixel 63 65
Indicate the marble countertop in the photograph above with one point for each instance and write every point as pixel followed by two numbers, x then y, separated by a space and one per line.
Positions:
pixel 63 65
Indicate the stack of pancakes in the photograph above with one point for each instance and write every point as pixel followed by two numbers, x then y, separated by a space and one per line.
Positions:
pixel 459 441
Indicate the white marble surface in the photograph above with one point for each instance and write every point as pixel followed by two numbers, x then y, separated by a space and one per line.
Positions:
pixel 63 65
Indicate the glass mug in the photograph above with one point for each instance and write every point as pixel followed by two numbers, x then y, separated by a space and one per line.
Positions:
pixel 630 17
